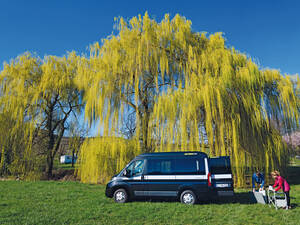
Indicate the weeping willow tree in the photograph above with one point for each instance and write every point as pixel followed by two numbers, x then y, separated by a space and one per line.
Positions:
pixel 232 114
pixel 186 91
pixel 101 157
pixel 40 96
pixel 11 146
pixel 15 159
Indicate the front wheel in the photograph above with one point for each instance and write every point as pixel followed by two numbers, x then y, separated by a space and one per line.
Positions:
pixel 188 197
pixel 120 196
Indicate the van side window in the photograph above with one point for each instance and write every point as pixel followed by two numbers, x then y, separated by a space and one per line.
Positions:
pixel 160 166
pixel 135 168
pixel 201 165
pixel 186 166
pixel 138 168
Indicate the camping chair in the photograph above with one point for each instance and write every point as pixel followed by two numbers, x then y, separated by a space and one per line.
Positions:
pixel 277 199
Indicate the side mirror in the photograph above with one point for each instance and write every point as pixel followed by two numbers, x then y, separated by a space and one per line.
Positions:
pixel 126 173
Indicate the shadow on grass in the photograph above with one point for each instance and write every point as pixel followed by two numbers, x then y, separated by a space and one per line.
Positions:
pixel 246 198
pixel 293 175
pixel 240 198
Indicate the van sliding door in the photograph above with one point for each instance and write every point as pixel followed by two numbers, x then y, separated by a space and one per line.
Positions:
pixel 159 177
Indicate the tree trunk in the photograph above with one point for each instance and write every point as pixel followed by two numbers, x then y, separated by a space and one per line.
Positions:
pixel 50 158
pixel 73 155
pixel 147 148
pixel 50 168
pixel 51 141
pixel 144 126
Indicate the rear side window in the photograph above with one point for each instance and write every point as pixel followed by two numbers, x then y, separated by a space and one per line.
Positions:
pixel 185 166
pixel 220 165
pixel 201 166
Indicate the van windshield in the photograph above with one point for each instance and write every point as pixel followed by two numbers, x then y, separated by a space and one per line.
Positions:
pixel 220 165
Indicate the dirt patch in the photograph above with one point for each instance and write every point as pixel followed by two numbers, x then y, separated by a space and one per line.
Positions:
pixel 64 175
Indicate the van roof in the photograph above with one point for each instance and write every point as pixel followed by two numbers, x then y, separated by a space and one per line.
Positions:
pixel 187 153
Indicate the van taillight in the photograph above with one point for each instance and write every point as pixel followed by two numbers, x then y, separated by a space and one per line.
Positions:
pixel 209 179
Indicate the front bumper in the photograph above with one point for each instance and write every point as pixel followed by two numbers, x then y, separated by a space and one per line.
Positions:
pixel 108 190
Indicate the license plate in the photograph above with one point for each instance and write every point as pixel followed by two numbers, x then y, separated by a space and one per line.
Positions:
pixel 222 185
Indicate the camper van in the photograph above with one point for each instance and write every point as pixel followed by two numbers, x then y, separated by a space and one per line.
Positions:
pixel 187 176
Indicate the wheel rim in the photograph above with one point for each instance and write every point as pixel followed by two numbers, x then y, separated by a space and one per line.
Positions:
pixel 120 196
pixel 188 198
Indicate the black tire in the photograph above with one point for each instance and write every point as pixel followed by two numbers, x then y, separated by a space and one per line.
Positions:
pixel 188 197
pixel 120 196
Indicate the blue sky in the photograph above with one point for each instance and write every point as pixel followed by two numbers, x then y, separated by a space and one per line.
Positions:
pixel 268 31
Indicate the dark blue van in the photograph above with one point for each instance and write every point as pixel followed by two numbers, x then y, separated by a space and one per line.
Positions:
pixel 187 176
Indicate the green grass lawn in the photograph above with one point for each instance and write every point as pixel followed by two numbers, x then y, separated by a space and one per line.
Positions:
pixel 58 165
pixel 53 202
pixel 295 162
pixel 50 202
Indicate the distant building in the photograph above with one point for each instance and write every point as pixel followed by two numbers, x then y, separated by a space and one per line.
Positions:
pixel 65 147
pixel 66 159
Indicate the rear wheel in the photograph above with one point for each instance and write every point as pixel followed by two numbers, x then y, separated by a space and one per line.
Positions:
pixel 188 197
pixel 120 196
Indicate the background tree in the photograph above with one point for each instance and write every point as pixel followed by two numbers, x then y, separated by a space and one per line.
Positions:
pixel 11 146
pixel 293 140
pixel 41 94
pixel 122 78
pixel 77 132
pixel 124 75
pixel 186 90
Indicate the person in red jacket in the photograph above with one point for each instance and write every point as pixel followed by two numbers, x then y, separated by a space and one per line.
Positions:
pixel 281 183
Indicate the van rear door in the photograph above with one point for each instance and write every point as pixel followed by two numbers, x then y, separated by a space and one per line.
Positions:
pixel 221 175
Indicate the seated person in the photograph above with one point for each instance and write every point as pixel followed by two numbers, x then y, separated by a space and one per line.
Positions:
pixel 258 178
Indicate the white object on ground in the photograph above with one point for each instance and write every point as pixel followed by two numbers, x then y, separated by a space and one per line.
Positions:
pixel 263 192
pixel 260 197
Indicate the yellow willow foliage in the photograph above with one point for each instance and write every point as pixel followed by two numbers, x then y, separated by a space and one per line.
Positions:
pixel 30 88
pixel 233 113
pixel 126 66
pixel 188 91
pixel 27 81
pixel 15 159
pixel 9 145
pixel 101 158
